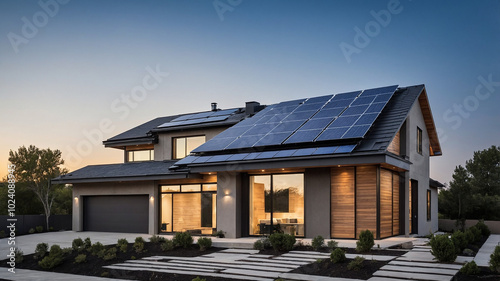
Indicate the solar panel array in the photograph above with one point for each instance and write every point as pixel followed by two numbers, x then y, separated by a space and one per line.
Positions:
pixel 345 116
pixel 198 118
pixel 275 154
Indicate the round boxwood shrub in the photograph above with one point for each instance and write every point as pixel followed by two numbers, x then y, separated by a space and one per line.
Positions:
pixel 318 242
pixel 122 244
pixel 459 241
pixel 495 260
pixel 55 258
pixel 338 256
pixel 365 242
pixel 167 245
pixel 485 230
pixel 470 268
pixel 78 244
pixel 442 248
pixel 282 241
pixel 204 243
pixel 477 234
pixel 41 250
pixel 262 244
pixel 138 244
pixel 183 239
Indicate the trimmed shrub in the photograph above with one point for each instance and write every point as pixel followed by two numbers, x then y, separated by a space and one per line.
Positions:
pixel 155 239
pixel 87 244
pixel 39 229
pixel 495 260
pixel 204 243
pixel 41 250
pixel 459 241
pixel 81 258
pixel 220 234
pixel 485 230
pixel 356 263
pixel 31 231
pixel 338 256
pixel 332 245
pixel 138 244
pixel 262 244
pixel 122 245
pixel 78 244
pixel 469 236
pixel 318 242
pixel 365 242
pixel 67 251
pixel 442 248
pixel 282 242
pixel 54 258
pixel 97 248
pixel 198 278
pixel 167 245
pixel 477 233
pixel 468 252
pixel 19 255
pixel 470 268
pixel 110 254
pixel 183 239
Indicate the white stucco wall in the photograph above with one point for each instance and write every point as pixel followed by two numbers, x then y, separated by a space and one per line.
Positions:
pixel 419 170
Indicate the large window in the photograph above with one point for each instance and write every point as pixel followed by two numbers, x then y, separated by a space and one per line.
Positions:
pixel 419 140
pixel 277 204
pixel 428 205
pixel 140 155
pixel 183 146
pixel 189 207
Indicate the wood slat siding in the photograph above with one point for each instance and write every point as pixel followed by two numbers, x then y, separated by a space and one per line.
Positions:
pixel 187 211
pixel 395 204
pixel 386 203
pixel 366 199
pixel 395 145
pixel 342 203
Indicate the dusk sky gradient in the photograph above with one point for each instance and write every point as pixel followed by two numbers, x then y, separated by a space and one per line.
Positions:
pixel 66 86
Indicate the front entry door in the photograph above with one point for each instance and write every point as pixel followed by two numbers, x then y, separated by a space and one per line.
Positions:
pixel 414 206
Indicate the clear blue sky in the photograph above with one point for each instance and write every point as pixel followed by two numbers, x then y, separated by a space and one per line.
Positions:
pixel 66 69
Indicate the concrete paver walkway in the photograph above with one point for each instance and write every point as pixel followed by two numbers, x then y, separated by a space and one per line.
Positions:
pixel 482 257
pixel 31 275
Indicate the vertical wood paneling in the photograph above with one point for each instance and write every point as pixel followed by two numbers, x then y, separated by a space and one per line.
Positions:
pixel 366 199
pixel 187 211
pixel 385 203
pixel 342 203
pixel 395 145
pixel 395 203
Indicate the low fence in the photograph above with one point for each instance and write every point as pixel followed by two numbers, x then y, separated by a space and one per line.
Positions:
pixel 25 222
pixel 450 225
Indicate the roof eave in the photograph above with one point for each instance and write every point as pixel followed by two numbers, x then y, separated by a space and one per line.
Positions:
pixel 127 142
pixel 435 146
pixel 122 179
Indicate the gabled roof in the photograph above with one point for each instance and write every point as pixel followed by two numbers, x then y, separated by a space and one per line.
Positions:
pixel 121 172
pixel 375 141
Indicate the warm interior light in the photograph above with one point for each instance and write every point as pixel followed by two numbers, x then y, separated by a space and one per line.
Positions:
pixel 263 170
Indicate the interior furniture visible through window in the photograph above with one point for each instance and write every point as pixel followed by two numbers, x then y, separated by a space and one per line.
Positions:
pixel 277 204
pixel 189 207
pixel 182 146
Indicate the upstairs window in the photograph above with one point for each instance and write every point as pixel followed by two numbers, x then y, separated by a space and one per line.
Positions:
pixel 184 145
pixel 140 155
pixel 419 140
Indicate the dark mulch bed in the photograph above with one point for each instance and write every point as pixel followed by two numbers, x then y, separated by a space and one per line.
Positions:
pixel 475 246
pixel 339 270
pixel 485 275
pixel 93 266
pixel 375 252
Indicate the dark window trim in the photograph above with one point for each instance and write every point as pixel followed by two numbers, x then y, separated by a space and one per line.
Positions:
pixel 419 141
pixel 151 157
pixel 174 156
pixel 429 205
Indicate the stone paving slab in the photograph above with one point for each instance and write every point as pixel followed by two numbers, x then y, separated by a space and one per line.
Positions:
pixel 386 279
pixel 275 261
pixel 304 277
pixel 482 257
pixel 242 266
pixel 415 269
pixel 251 273
pixel 176 264
pixel 318 255
pixel 413 276
pixel 426 264
pixel 240 251
pixel 30 275
pixel 219 275
pixel 132 266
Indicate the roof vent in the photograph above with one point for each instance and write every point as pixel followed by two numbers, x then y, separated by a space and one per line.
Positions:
pixel 214 106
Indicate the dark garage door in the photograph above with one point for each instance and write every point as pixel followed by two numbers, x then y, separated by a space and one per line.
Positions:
pixel 117 213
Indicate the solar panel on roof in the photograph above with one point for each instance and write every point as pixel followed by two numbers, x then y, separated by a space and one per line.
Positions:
pixel 261 129
pixel 287 127
pixel 344 121
pixel 367 119
pixel 219 158
pixel 310 107
pixel 267 154
pixel 252 155
pixel 321 99
pixel 325 150
pixel 304 152
pixel 300 115
pixel 355 110
pixel 349 95
pixel 186 160
pixel 329 112
pixel 245 141
pixel 214 144
pixel 356 132
pixel 319 123
pixel 338 103
pixel 345 148
pixel 237 157
pixel 285 153
pixel 201 159
pixel 302 136
pixel 332 134
pixel 272 139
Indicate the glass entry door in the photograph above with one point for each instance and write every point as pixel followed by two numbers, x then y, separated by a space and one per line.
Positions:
pixel 277 204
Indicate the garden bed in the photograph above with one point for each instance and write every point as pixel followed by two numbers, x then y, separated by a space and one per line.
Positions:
pixel 340 270
pixel 485 275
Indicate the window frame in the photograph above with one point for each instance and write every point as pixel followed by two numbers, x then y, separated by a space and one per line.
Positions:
pixel 419 141
pixel 186 153
pixel 132 152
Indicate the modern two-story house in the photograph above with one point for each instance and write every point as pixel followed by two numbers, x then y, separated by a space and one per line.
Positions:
pixel 329 165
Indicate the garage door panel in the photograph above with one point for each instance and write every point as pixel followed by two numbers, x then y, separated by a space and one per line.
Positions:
pixel 117 213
